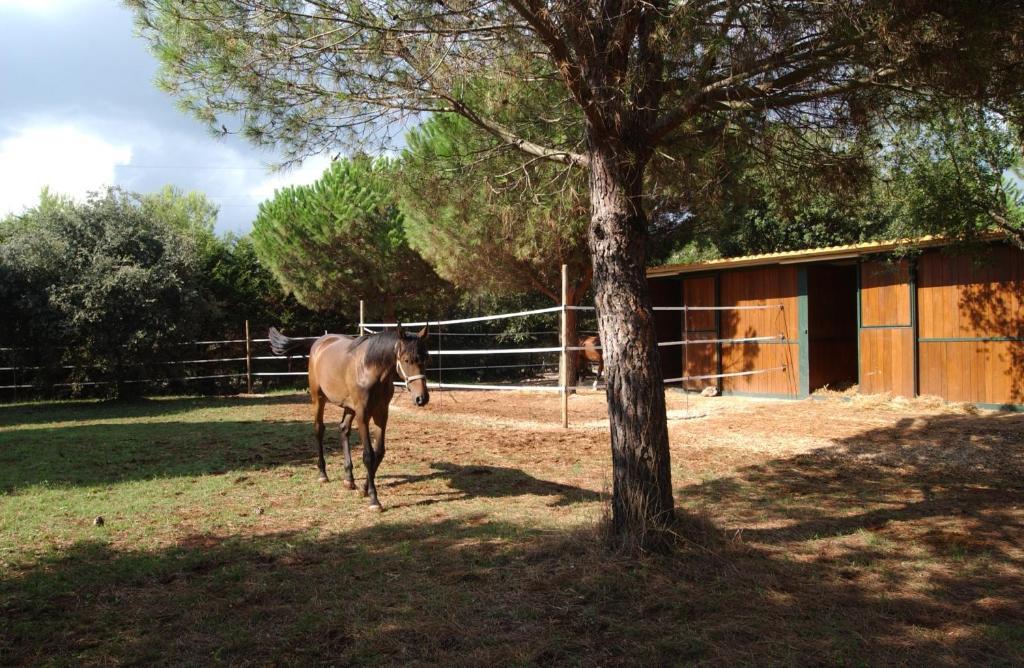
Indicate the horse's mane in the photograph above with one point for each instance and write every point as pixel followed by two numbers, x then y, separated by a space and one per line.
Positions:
pixel 380 347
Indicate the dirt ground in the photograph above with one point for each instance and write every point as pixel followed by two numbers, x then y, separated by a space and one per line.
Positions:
pixel 709 436
pixel 844 531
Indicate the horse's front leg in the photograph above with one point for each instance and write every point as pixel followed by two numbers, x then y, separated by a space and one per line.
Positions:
pixel 369 463
pixel 600 370
pixel 380 418
pixel 346 429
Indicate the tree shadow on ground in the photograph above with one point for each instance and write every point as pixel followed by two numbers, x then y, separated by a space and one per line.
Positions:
pixel 898 545
pixel 928 510
pixel 470 482
pixel 472 592
pixel 965 466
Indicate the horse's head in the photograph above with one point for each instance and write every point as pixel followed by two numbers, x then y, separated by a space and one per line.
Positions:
pixel 411 360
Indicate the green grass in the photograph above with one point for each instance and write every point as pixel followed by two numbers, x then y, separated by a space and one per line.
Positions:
pixel 218 545
pixel 137 463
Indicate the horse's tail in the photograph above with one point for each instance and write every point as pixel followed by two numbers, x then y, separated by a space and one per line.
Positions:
pixel 283 345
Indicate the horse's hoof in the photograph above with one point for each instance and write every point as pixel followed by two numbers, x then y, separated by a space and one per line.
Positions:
pixel 376 507
pixel 350 484
pixel 324 478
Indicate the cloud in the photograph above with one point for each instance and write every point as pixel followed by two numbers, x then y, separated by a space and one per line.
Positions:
pixel 79 153
pixel 67 159
pixel 310 170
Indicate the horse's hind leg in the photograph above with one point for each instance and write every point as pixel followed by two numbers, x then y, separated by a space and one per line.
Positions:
pixel 346 429
pixel 318 429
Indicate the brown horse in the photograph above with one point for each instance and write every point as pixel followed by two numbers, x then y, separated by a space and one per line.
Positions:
pixel 358 374
pixel 591 353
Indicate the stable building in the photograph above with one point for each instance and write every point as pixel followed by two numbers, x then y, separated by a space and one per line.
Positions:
pixel 910 318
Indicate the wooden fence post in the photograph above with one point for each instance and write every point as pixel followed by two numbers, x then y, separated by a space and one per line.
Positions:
pixel 563 373
pixel 248 358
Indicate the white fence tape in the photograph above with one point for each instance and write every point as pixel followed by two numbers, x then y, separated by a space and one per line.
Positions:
pixel 723 375
pixel 483 318
pixel 293 338
pixel 478 386
pixel 747 339
pixel 497 351
pixel 225 359
pixel 752 307
pixel 693 342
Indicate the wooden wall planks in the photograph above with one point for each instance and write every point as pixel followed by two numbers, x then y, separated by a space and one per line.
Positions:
pixel 885 294
pixel 988 372
pixel 964 296
pixel 960 298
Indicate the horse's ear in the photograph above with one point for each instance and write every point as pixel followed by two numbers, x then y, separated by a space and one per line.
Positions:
pixel 423 332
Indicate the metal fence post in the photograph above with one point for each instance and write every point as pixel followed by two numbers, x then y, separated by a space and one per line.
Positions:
pixel 362 319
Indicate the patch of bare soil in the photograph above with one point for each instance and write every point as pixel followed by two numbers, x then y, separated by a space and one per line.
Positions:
pixel 891 526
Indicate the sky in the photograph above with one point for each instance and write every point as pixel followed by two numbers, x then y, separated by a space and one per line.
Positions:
pixel 79 111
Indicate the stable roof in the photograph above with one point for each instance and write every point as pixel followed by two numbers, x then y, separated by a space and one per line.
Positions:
pixel 849 251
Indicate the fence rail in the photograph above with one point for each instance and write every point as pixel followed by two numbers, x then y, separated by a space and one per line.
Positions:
pixel 250 371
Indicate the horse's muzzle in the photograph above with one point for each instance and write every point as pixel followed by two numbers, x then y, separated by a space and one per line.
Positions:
pixel 421 399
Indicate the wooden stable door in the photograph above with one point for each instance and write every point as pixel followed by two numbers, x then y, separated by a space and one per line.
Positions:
pixel 886 328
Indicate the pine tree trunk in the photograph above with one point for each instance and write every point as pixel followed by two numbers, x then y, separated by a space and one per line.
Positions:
pixel 642 504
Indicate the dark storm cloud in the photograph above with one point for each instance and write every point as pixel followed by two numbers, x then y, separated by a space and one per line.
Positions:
pixel 79 64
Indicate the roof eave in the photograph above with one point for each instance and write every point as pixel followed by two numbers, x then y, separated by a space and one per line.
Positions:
pixel 805 256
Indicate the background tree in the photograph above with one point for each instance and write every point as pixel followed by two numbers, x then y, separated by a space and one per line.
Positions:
pixel 341 239
pixel 234 283
pixel 105 289
pixel 30 262
pixel 239 287
pixel 73 278
pixel 471 213
pixel 639 75
pixel 956 172
pixel 949 169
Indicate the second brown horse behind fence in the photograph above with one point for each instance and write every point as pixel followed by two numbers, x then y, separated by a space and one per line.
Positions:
pixel 358 374
pixel 591 354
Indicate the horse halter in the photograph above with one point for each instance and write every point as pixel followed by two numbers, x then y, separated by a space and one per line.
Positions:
pixel 406 377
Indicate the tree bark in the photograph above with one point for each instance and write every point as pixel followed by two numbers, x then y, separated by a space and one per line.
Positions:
pixel 642 503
